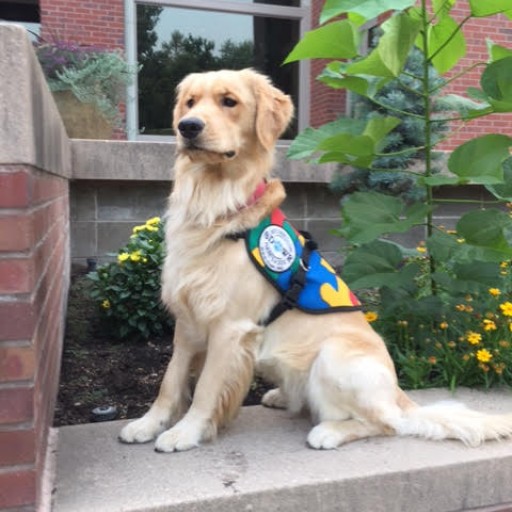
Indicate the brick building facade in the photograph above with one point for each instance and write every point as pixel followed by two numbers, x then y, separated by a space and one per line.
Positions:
pixel 102 22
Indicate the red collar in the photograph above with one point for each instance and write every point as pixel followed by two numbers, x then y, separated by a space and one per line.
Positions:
pixel 258 192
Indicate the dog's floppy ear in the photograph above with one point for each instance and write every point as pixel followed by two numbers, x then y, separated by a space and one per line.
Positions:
pixel 274 111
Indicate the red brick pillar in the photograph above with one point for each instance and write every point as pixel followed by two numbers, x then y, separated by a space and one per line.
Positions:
pixel 34 262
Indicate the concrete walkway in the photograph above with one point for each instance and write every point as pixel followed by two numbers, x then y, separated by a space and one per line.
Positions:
pixel 261 464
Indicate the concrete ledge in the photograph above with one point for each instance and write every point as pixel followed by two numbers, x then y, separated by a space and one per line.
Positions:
pixel 261 464
pixel 153 161
pixel 31 130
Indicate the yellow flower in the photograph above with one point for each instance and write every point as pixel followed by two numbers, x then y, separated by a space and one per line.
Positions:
pixel 506 308
pixel 473 337
pixel 153 221
pixel 137 229
pixel 122 257
pixel 495 292
pixel 504 264
pixel 452 344
pixel 135 256
pixel 461 240
pixel 421 249
pixel 443 325
pixel 371 316
pixel 150 228
pixel 483 355
pixel 460 307
pixel 489 325
pixel 105 304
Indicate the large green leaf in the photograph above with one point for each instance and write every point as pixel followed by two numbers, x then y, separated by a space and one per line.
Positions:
pixel 306 143
pixel 444 247
pixel 378 127
pixel 477 273
pixel 496 81
pixel 489 229
pixel 503 191
pixel 446 43
pixel 368 215
pixel 480 160
pixel 334 75
pixel 377 264
pixel 465 107
pixel 482 8
pixel 338 40
pixel 388 59
pixel 497 52
pixel 368 9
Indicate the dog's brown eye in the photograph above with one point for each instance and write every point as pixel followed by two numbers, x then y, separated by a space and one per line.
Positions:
pixel 190 103
pixel 228 102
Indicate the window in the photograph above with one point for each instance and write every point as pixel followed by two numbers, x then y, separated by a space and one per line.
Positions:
pixel 172 38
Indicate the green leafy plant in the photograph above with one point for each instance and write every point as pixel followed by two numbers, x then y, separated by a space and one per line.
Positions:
pixel 128 289
pixel 94 75
pixel 401 94
pixel 420 289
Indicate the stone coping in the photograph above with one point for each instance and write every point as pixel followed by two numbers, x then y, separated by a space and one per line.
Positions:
pixel 31 130
pixel 261 464
pixel 153 161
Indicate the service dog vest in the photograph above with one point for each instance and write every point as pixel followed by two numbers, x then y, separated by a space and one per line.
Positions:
pixel 290 261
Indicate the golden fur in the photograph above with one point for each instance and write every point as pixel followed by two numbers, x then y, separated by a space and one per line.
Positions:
pixel 335 365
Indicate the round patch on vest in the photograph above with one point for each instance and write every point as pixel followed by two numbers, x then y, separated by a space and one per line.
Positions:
pixel 276 248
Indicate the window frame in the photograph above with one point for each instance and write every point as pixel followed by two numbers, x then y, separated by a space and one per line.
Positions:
pixel 301 14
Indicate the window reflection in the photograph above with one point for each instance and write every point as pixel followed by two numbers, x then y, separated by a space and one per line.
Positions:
pixel 172 42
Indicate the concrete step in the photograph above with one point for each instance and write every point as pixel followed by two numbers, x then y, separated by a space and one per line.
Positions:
pixel 261 464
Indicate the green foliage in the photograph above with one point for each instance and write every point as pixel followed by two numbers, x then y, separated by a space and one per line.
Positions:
pixel 404 145
pixel 445 308
pixel 93 75
pixel 128 290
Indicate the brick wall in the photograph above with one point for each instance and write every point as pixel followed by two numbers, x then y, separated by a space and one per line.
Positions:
pixel 476 30
pixel 34 263
pixel 326 104
pixel 95 22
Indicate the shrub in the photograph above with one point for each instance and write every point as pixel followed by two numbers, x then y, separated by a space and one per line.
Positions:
pixel 459 339
pixel 434 306
pixel 94 75
pixel 128 289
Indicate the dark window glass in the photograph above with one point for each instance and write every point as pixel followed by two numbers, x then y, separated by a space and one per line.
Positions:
pixel 173 42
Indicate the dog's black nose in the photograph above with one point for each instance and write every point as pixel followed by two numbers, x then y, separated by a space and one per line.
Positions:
pixel 190 128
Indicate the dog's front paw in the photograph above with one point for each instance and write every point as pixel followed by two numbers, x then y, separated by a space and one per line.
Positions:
pixel 324 437
pixel 143 430
pixel 185 435
pixel 274 398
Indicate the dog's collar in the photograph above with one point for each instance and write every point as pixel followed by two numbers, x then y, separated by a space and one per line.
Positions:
pixel 257 194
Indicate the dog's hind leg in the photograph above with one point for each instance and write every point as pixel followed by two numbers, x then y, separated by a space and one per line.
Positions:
pixel 350 396
pixel 331 434
pixel 173 397
pixel 221 388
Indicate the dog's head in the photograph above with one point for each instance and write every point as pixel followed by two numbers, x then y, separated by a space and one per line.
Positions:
pixel 219 115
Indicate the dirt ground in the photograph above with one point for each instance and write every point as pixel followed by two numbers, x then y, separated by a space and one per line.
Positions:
pixel 97 371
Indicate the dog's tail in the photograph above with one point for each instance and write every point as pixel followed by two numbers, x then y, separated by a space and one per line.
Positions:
pixel 451 420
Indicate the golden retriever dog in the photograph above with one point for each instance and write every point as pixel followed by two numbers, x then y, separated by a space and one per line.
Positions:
pixel 334 365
